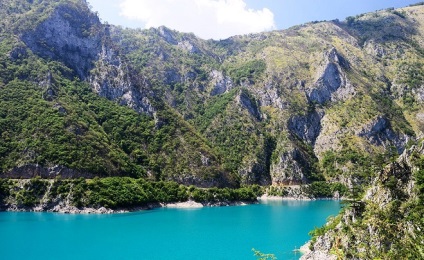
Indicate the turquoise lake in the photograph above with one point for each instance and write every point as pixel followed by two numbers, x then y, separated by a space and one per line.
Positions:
pixel 276 227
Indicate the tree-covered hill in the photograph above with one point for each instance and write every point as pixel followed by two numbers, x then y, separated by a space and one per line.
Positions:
pixel 53 122
pixel 121 117
pixel 332 100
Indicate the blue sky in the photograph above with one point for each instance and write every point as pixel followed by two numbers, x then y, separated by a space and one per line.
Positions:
pixel 220 19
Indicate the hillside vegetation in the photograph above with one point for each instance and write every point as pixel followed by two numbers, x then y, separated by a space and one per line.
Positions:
pixel 95 115
pixel 322 101
pixel 325 100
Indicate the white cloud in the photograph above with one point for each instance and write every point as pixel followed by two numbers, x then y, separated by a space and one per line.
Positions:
pixel 216 19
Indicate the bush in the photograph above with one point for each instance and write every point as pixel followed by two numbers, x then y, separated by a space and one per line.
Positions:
pixel 250 71
pixel 215 195
pixel 120 192
pixel 323 189
pixel 32 192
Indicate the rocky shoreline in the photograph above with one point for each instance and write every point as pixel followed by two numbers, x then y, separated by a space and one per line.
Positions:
pixel 316 254
pixel 65 208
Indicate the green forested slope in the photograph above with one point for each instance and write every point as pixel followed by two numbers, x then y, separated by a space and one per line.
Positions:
pixel 328 103
pixel 322 101
pixel 51 117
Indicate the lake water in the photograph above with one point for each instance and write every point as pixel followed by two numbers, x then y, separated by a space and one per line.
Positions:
pixel 207 233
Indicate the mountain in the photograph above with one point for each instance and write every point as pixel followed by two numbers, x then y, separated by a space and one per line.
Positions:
pixel 58 64
pixel 321 101
pixel 327 103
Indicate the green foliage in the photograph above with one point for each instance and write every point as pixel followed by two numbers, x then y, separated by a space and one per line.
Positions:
pixel 321 189
pixel 215 106
pixel 32 192
pixel 401 14
pixel 25 15
pixel 419 177
pixel 276 191
pixel 332 161
pixel 60 188
pixel 360 165
pixel 215 195
pixel 262 256
pixel 234 133
pixel 128 192
pixel 396 224
pixel 65 123
pixel 251 71
pixel 350 20
pixel 411 73
pixel 332 222
pixel 120 192
pixel 43 134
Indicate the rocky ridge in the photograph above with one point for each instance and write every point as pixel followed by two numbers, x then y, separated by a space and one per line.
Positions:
pixel 269 107
pixel 383 223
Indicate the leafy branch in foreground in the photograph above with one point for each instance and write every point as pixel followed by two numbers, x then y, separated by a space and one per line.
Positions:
pixel 261 256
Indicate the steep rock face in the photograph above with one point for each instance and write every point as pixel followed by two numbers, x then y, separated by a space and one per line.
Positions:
pixel 290 167
pixel 220 83
pixel 111 79
pixel 419 94
pixel 33 170
pixel 188 46
pixel 380 133
pixel 302 83
pixel 69 35
pixel 171 37
pixel 168 35
pixel 220 179
pixel 254 171
pixel 75 36
pixel 330 136
pixel 321 249
pixel 306 127
pixel 247 102
pixel 332 84
pixel 269 95
pixel 419 117
pixel 395 182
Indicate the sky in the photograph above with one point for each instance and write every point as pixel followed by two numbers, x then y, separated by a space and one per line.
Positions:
pixel 220 19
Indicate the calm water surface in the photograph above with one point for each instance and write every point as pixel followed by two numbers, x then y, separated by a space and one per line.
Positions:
pixel 206 233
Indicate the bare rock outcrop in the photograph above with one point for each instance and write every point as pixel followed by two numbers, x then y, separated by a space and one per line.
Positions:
pixel 290 168
pixel 332 83
pixel 30 171
pixel 269 95
pixel 221 83
pixel 306 127
pixel 60 38
pixel 249 103
pixel 112 79
pixel 255 169
pixel 379 132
